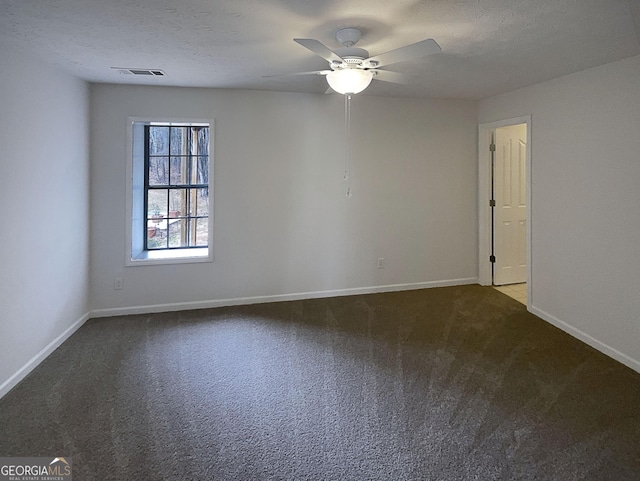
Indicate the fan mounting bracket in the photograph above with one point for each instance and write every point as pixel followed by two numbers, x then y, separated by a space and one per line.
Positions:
pixel 348 36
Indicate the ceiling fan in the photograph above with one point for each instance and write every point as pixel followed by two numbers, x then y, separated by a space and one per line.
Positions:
pixel 352 69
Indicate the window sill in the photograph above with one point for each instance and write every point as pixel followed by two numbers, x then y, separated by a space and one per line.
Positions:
pixel 173 256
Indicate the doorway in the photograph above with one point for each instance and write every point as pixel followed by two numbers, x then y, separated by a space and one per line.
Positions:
pixel 505 204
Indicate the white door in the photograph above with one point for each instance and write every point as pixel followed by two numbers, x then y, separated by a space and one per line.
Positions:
pixel 510 211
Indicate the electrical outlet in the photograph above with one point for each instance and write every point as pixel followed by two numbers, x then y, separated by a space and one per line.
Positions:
pixel 118 283
pixel 380 262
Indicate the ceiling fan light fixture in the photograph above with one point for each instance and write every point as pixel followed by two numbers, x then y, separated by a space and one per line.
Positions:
pixel 349 80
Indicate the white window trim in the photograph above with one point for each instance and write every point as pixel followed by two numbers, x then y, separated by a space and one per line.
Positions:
pixel 135 253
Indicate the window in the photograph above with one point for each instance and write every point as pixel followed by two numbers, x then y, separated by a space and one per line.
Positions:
pixel 170 195
pixel 176 186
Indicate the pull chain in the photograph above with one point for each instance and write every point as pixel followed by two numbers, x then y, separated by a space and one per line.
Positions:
pixel 347 140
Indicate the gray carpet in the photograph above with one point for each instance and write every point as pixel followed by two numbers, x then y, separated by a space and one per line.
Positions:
pixel 456 383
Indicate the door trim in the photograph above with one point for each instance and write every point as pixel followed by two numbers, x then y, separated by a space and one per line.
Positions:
pixel 485 132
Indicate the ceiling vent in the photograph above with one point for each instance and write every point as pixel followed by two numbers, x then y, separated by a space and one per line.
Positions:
pixel 140 71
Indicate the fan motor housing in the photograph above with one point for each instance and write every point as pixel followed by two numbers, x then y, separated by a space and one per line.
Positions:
pixel 352 55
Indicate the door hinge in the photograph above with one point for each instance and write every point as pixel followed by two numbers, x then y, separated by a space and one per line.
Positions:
pixel 492 147
pixel 492 259
pixel 492 203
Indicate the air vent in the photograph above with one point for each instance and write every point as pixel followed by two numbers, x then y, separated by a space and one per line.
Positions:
pixel 140 71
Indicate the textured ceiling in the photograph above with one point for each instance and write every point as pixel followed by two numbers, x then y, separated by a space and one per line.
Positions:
pixel 488 46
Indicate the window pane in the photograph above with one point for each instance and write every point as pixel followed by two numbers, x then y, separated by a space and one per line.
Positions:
pixel 157 204
pixel 177 202
pixel 158 171
pixel 155 236
pixel 177 233
pixel 158 140
pixel 202 202
pixel 203 140
pixel 202 167
pixel 178 170
pixel 202 232
pixel 179 141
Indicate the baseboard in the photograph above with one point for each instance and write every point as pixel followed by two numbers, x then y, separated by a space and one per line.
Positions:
pixel 19 375
pixel 238 301
pixel 586 338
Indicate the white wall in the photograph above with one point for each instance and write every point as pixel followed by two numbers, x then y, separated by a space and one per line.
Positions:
pixel 283 225
pixel 585 202
pixel 44 194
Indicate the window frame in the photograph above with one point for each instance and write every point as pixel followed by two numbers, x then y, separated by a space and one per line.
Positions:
pixel 136 221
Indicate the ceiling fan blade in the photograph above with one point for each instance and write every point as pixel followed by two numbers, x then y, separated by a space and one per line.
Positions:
pixel 319 49
pixel 314 72
pixel 408 52
pixel 388 76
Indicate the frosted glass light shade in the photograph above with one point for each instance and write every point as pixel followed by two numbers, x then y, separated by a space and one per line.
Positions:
pixel 349 80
